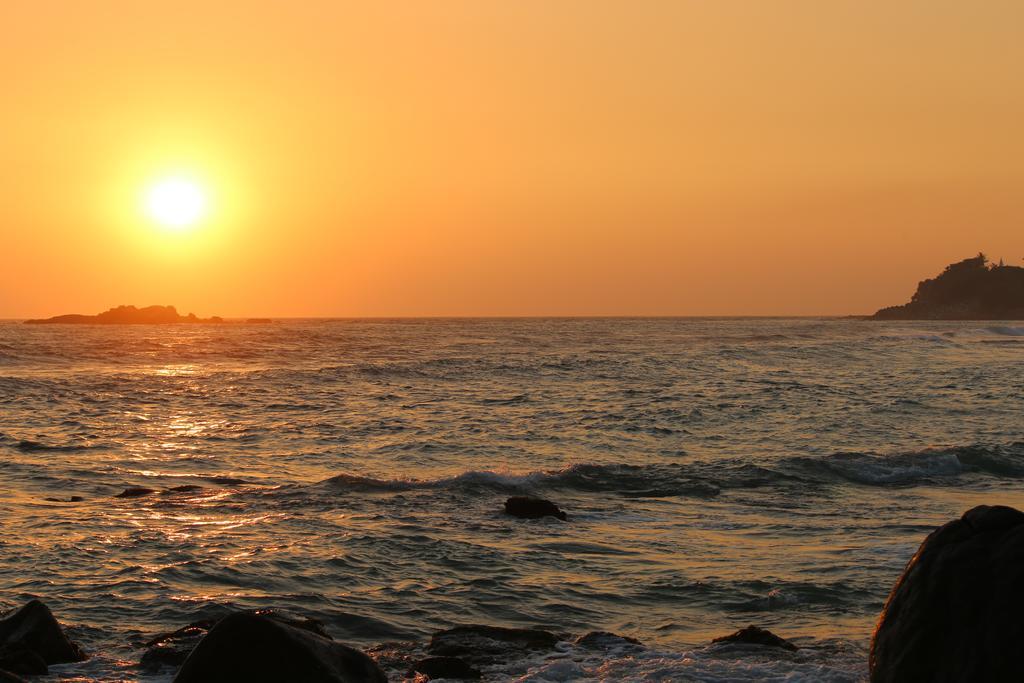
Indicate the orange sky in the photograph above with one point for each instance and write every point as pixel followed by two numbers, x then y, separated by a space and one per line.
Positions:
pixel 507 158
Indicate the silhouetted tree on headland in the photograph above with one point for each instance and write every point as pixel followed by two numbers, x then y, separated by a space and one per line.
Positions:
pixel 972 289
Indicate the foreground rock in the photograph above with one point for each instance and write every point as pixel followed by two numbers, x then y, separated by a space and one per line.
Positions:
pixel 444 667
pixel 31 640
pixel 603 640
pixel 23 661
pixel 528 507
pixel 8 677
pixel 957 612
pixel 753 635
pixel 482 645
pixel 253 647
pixel 172 649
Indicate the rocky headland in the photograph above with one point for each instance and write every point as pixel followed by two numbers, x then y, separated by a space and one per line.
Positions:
pixel 130 315
pixel 972 289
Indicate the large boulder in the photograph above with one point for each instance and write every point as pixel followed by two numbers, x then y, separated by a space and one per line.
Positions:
pixel 956 612
pixel 21 660
pixel 253 647
pixel 31 639
pixel 173 648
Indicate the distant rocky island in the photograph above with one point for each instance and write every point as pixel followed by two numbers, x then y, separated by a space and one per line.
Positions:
pixel 972 289
pixel 130 315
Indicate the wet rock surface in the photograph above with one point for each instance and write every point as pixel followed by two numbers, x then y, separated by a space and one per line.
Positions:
pixel 21 660
pixel 135 492
pixel 265 647
pixel 481 645
pixel 955 613
pixel 31 639
pixel 603 640
pixel 173 648
pixel 185 488
pixel 445 667
pixel 754 635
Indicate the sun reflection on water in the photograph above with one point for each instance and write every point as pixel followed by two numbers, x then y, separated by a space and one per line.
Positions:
pixel 176 370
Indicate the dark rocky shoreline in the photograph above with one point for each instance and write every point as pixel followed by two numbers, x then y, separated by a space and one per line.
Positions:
pixel 258 646
pixel 953 615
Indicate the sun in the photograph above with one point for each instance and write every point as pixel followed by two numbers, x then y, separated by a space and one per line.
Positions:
pixel 176 203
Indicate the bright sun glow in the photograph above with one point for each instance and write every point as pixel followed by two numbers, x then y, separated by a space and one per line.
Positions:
pixel 176 203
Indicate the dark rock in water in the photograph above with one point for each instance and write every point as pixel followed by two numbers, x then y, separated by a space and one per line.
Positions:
pixel 8 677
pixel 528 507
pixel 252 647
pixel 165 655
pixel 444 667
pixel 33 628
pixel 225 481
pixel 72 499
pixel 393 655
pixel 135 492
pixel 603 640
pixel 488 644
pixel 21 660
pixel 752 635
pixel 957 612
pixel 186 488
pixel 172 649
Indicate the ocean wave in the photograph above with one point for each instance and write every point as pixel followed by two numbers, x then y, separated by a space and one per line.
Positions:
pixel 1006 330
pixel 655 481
pixel 867 468
pixel 712 664
pixel 708 479
pixel 927 466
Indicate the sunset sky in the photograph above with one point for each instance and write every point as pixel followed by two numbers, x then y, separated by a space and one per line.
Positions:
pixel 530 157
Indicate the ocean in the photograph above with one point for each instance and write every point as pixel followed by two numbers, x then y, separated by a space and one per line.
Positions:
pixel 716 473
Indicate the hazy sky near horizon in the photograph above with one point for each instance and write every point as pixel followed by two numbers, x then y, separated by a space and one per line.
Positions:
pixel 533 157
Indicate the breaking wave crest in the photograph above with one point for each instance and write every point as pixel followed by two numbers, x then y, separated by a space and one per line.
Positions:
pixel 706 479
pixel 626 480
pixel 1006 330
pixel 927 466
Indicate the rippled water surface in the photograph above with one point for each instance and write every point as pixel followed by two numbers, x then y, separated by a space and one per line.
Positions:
pixel 716 473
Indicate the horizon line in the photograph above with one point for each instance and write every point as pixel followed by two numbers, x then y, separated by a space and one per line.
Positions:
pixel 530 316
